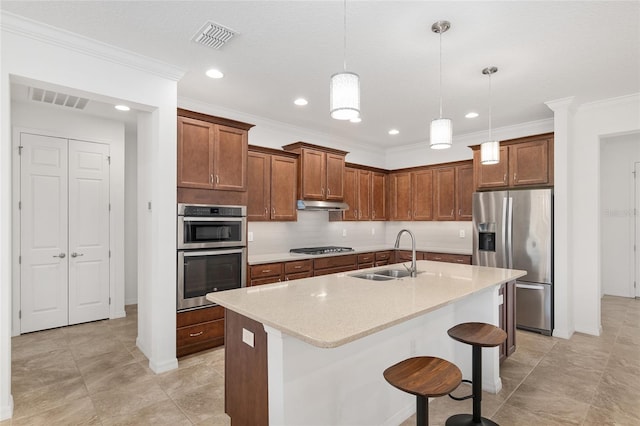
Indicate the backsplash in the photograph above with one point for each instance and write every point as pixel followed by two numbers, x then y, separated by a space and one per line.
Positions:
pixel 314 229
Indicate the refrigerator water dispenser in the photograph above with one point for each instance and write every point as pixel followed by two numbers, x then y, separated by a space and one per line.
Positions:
pixel 487 241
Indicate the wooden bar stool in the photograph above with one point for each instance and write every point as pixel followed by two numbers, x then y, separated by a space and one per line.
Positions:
pixel 424 376
pixel 478 335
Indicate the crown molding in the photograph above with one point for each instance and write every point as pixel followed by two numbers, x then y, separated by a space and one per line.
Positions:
pixel 633 98
pixel 48 34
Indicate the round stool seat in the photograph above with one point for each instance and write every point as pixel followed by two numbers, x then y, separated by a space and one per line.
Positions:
pixel 478 334
pixel 424 376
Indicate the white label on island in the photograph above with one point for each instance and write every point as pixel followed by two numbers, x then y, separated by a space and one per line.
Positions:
pixel 247 337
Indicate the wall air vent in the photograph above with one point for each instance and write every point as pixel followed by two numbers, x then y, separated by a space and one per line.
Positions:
pixel 213 35
pixel 56 98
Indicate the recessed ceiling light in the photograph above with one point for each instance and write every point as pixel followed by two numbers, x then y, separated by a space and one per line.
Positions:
pixel 356 119
pixel 471 115
pixel 122 108
pixel 301 101
pixel 214 73
pixel 394 131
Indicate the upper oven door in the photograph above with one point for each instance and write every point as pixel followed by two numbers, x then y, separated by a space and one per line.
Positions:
pixel 211 232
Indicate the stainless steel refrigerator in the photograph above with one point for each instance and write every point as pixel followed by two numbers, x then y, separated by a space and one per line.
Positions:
pixel 514 229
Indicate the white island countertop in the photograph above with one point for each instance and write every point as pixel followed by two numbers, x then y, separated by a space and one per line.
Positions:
pixel 333 310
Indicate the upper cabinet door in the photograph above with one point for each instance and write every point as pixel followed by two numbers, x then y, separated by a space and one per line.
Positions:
pixel 195 153
pixel 335 177
pixel 230 158
pixel 259 191
pixel 493 175
pixel 464 192
pixel 423 195
pixel 351 194
pixel 364 195
pixel 400 191
pixel 529 163
pixel 284 191
pixel 313 175
pixel 379 196
pixel 445 180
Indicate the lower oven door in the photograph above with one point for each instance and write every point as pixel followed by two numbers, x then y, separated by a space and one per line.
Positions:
pixel 206 271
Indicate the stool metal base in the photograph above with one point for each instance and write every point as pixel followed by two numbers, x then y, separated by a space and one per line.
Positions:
pixel 467 420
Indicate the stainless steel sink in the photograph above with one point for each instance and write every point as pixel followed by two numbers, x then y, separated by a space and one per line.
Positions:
pixel 373 277
pixel 383 275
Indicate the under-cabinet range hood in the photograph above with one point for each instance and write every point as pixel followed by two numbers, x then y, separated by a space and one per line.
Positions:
pixel 322 205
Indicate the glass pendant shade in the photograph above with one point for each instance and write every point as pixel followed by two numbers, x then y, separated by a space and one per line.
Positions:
pixel 441 133
pixel 490 152
pixel 345 96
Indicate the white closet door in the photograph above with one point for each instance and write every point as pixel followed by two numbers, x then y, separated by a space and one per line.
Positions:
pixel 43 236
pixel 88 231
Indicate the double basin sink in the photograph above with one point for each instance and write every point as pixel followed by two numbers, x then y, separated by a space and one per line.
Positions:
pixel 383 275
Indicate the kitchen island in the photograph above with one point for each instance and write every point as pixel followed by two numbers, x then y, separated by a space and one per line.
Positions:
pixel 312 351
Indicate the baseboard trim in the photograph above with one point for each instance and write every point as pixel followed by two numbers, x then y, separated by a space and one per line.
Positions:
pixel 6 411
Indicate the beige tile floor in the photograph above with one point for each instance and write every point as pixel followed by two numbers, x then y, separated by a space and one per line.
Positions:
pixel 94 374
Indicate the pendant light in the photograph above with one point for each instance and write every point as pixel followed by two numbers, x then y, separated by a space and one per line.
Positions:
pixel 490 150
pixel 441 129
pixel 344 87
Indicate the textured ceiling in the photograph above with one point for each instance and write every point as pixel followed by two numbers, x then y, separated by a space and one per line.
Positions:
pixel 286 49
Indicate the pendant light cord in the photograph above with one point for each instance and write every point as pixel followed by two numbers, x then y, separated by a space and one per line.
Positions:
pixel 490 114
pixel 345 36
pixel 440 73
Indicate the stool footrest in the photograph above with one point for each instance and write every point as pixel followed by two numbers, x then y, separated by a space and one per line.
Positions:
pixel 467 420
pixel 462 398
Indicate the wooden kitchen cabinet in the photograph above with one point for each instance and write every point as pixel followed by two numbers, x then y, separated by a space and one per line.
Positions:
pixel 400 193
pixel 272 191
pixel 334 264
pixel 320 171
pixel 383 258
pixel 464 192
pixel 298 269
pixel 357 194
pixel 445 193
pixel 379 196
pixel 405 256
pixel 199 329
pixel 507 318
pixel 524 162
pixel 462 259
pixel 266 273
pixel 366 260
pixel 422 194
pixel 212 156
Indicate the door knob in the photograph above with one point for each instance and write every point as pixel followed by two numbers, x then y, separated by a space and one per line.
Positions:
pixel 74 254
pixel 61 255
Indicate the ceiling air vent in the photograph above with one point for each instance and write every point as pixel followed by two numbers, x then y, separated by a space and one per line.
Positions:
pixel 213 35
pixel 57 98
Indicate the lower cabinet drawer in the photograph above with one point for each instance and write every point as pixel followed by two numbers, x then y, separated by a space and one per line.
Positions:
pixel 298 276
pixel 298 266
pixel 365 258
pixel 198 316
pixel 450 258
pixel 261 281
pixel 318 272
pixel 199 337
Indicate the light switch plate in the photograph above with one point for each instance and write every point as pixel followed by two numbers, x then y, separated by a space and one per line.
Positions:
pixel 461 233
pixel 344 232
pixel 247 337
pixel 250 236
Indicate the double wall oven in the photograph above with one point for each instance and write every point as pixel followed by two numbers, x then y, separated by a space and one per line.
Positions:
pixel 212 252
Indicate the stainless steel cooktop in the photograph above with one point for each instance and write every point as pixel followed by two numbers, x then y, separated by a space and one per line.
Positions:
pixel 320 250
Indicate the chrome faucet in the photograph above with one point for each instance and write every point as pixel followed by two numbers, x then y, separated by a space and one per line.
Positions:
pixel 413 270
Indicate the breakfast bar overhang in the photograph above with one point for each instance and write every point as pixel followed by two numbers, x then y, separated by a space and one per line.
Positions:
pixel 312 351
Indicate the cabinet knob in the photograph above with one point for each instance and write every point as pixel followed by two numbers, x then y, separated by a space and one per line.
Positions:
pixel 504 179
pixel 322 191
pixel 459 212
pixel 211 178
pixel 452 210
pixel 264 271
pixel 328 191
pixel 273 210
pixel 373 214
pixel 196 334
pixel 266 211
pixel 515 177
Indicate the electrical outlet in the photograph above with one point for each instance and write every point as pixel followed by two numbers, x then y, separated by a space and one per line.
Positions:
pixel 461 234
pixel 250 236
pixel 373 231
pixel 344 232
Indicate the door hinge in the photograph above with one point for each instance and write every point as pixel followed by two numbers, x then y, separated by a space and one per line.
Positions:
pixel 109 254
pixel 19 205
pixel 109 300
pixel 19 260
pixel 109 159
pixel 20 314
pixel 20 150
pixel 109 206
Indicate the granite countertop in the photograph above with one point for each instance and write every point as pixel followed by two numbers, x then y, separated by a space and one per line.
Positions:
pixel 332 310
pixel 258 259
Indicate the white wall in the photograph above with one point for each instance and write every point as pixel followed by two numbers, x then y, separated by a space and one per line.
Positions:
pixel 131 216
pixel 67 123
pixel 591 124
pixel 97 71
pixel 617 192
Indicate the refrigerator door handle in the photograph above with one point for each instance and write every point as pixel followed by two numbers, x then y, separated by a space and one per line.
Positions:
pixel 530 286
pixel 509 225
pixel 506 228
